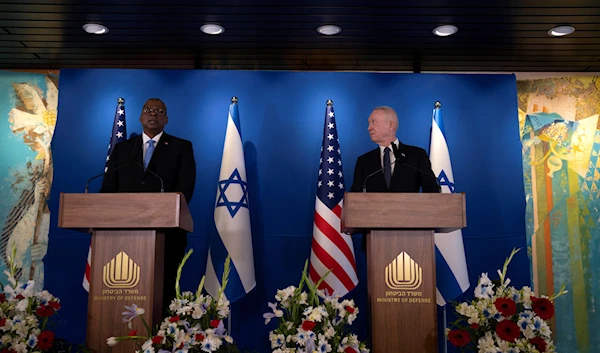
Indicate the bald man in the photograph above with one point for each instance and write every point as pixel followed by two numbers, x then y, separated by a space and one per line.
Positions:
pixel 411 173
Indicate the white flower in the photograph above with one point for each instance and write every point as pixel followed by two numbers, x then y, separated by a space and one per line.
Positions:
pixel 300 338
pixel 32 341
pixel 210 343
pixel 198 312
pixel 276 340
pixel 223 306
pixel 330 332
pixel 323 347
pixel 545 330
pixel 486 343
pixel 276 313
pixel 20 347
pixel 284 295
pixel 111 341
pixel 529 332
pixel 484 289
pixel 22 306
pixel 303 298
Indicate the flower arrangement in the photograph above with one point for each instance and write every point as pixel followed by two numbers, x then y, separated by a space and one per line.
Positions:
pixel 502 318
pixel 195 323
pixel 312 322
pixel 24 314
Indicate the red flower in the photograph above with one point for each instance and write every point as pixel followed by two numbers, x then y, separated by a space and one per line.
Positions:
pixel 45 340
pixel 459 338
pixel 2 298
pixel 308 325
pixel 54 305
pixel 6 350
pixel 2 322
pixel 215 323
pixel 543 308
pixel 349 309
pixel 20 297
pixel 474 326
pixel 508 330
pixel 132 333
pixel 539 343
pixel 44 311
pixel 507 307
pixel 350 350
pixel 174 319
pixel 199 337
pixel 157 339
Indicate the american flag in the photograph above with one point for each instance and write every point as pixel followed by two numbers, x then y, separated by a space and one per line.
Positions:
pixel 331 249
pixel 119 133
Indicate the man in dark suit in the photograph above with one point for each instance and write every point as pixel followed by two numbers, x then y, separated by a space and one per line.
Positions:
pixel 411 173
pixel 172 159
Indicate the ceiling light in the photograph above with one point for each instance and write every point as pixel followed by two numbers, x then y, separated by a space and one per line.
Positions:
pixel 95 28
pixel 212 28
pixel 329 30
pixel 445 30
pixel 561 31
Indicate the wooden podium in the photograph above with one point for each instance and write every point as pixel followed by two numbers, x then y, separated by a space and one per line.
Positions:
pixel 127 256
pixel 401 263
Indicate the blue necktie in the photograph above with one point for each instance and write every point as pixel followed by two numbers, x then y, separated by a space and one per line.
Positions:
pixel 149 152
pixel 387 172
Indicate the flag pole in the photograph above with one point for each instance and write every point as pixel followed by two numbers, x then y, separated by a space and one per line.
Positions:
pixel 234 100
pixel 438 105
pixel 445 326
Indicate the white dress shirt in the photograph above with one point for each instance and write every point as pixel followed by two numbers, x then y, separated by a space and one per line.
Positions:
pixel 146 138
pixel 392 156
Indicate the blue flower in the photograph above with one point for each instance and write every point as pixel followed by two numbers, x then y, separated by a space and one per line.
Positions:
pixel 32 341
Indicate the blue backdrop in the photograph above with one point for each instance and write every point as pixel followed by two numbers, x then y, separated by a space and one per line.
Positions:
pixel 282 115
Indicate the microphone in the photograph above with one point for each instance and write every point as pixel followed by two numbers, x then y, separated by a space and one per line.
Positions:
pixel 134 156
pixel 399 156
pixel 370 175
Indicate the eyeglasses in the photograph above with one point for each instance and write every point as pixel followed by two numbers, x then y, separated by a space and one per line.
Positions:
pixel 158 111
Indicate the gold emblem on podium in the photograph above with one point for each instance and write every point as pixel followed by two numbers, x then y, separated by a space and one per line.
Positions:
pixel 121 272
pixel 403 273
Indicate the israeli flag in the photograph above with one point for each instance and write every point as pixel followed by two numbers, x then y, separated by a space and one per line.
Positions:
pixel 451 264
pixel 232 219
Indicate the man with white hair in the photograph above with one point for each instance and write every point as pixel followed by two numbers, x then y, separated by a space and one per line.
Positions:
pixel 410 173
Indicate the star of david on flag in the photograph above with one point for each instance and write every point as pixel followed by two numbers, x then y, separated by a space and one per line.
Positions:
pixel 119 133
pixel 232 219
pixel 235 204
pixel 331 249
pixel 451 264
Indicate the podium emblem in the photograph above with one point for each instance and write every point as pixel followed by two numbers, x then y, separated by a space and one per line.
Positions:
pixel 121 272
pixel 403 273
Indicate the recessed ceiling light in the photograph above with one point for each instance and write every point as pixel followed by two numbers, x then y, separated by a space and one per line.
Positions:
pixel 95 28
pixel 329 30
pixel 212 28
pixel 561 31
pixel 445 30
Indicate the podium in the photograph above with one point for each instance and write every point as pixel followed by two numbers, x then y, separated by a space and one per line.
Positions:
pixel 128 236
pixel 401 263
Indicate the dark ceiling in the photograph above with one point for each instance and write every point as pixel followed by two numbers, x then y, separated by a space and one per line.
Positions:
pixel 281 35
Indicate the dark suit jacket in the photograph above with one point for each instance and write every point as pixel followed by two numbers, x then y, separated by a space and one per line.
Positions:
pixel 404 178
pixel 173 159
